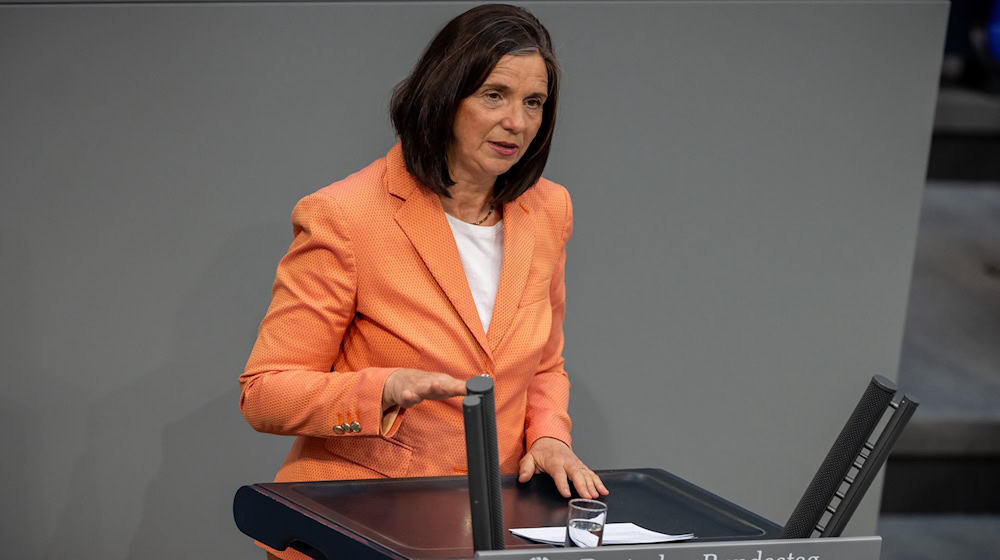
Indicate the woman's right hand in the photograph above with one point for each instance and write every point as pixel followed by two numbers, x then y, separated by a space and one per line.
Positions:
pixel 406 387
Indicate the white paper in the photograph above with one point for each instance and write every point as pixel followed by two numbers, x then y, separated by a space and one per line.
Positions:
pixel 614 533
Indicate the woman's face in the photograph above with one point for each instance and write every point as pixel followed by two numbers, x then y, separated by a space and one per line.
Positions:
pixel 496 124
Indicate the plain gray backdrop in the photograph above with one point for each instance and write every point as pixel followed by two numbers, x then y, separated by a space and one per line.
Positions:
pixel 746 179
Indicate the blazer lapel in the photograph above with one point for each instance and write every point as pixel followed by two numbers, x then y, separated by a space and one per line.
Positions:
pixel 518 250
pixel 421 217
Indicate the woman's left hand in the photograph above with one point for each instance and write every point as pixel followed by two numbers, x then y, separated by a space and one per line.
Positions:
pixel 549 455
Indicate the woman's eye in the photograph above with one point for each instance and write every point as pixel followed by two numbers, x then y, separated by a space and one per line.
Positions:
pixel 534 103
pixel 493 96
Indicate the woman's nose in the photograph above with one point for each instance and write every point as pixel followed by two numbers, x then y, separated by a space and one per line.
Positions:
pixel 515 120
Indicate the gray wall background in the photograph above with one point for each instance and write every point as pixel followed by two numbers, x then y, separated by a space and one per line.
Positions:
pixel 746 179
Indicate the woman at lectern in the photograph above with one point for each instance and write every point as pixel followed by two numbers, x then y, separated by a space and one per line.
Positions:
pixel 441 261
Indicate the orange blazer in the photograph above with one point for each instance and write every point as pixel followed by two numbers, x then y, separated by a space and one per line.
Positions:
pixel 373 282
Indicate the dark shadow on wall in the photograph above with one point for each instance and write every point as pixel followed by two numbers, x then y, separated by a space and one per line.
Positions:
pixel 22 528
pixel 20 509
pixel 591 441
pixel 172 447
pixel 187 508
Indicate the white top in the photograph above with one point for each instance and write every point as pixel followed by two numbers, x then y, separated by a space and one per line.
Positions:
pixel 481 250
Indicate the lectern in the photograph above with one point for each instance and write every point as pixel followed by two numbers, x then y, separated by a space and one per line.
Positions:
pixel 442 517
pixel 429 518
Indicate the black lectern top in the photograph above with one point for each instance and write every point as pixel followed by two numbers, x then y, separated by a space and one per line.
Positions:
pixel 428 518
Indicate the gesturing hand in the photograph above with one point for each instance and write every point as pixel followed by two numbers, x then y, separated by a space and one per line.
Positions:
pixel 407 387
pixel 552 456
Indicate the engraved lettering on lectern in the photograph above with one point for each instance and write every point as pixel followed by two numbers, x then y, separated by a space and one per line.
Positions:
pixel 759 556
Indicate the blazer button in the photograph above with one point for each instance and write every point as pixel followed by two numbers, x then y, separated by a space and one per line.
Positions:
pixel 338 429
pixel 346 427
pixel 355 427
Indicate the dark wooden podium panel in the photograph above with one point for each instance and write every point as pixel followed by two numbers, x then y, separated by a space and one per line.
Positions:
pixel 428 518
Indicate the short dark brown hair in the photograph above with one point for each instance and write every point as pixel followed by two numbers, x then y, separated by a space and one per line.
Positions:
pixel 456 63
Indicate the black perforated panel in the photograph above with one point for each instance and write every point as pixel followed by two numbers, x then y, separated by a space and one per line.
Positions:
pixel 842 455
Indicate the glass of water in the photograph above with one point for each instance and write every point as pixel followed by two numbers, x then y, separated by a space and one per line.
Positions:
pixel 585 524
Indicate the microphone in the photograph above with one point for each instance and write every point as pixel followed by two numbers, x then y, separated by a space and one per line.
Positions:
pixel 482 456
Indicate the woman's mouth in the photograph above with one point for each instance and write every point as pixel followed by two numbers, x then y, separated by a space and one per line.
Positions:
pixel 504 148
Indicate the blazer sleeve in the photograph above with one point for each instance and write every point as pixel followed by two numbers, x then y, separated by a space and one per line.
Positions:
pixel 288 387
pixel 547 412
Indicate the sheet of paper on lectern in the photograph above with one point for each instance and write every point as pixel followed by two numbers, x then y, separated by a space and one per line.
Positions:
pixel 614 533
